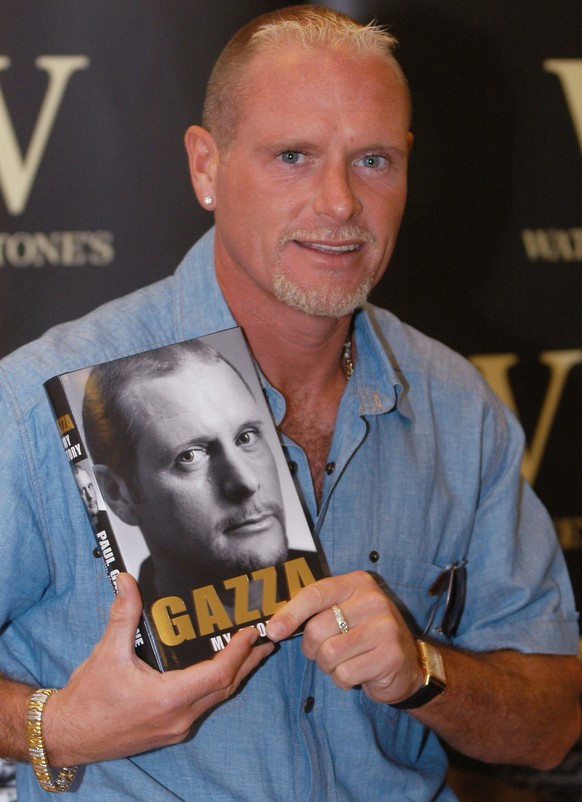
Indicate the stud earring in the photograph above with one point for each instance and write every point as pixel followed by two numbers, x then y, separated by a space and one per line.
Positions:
pixel 208 199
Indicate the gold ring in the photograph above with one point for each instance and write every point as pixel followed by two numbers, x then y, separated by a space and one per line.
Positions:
pixel 341 619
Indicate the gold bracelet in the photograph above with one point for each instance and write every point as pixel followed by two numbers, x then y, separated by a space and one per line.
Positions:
pixel 38 758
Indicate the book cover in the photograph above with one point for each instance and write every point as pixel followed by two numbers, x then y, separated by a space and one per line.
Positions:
pixel 179 464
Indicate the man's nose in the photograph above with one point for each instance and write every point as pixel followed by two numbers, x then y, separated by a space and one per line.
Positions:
pixel 335 196
pixel 239 480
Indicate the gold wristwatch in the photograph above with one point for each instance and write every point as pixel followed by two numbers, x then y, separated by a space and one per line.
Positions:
pixel 435 678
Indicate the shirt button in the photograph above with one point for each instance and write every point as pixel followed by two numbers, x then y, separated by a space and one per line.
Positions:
pixel 374 556
pixel 96 552
pixel 309 704
pixel 292 467
pixel 330 468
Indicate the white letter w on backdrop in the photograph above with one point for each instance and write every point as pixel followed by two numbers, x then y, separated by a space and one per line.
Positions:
pixel 495 368
pixel 18 171
pixel 569 71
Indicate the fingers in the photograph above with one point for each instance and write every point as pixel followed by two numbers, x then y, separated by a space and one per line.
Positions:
pixel 231 665
pixel 200 687
pixel 316 598
pixel 331 646
pixel 129 707
pixel 365 643
pixel 222 675
pixel 377 653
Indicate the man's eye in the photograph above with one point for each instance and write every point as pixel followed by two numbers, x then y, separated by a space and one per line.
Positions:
pixel 247 438
pixel 373 161
pixel 191 457
pixel 291 157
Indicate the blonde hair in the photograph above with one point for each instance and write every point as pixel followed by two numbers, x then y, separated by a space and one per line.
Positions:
pixel 307 27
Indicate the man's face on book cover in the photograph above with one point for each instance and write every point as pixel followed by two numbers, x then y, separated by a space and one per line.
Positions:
pixel 87 489
pixel 207 483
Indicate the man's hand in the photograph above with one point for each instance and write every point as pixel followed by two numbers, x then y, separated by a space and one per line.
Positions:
pixel 500 706
pixel 378 652
pixel 115 705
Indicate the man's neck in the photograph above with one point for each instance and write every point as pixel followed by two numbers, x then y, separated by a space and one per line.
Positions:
pixel 293 349
pixel 301 355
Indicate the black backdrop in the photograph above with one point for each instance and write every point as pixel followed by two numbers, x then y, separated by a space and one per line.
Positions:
pixel 95 199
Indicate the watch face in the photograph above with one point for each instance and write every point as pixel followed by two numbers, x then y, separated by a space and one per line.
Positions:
pixel 432 663
pixel 435 678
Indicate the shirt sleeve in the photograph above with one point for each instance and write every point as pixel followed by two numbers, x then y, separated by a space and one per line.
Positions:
pixel 24 563
pixel 519 595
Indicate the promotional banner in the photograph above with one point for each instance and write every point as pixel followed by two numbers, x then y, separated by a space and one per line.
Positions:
pixel 95 198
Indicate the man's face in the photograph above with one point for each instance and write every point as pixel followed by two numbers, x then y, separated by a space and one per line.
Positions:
pixel 206 477
pixel 310 195
pixel 88 492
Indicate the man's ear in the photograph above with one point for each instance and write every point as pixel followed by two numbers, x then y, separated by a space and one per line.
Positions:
pixel 203 161
pixel 116 493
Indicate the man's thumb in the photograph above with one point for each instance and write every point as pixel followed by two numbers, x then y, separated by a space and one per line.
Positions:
pixel 125 612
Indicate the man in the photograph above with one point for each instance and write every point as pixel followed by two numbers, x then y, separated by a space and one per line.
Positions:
pixel 407 464
pixel 88 492
pixel 181 452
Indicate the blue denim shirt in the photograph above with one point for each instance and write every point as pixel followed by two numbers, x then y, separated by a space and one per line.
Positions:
pixel 424 472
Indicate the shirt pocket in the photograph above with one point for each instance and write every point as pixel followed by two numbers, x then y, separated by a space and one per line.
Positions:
pixel 408 583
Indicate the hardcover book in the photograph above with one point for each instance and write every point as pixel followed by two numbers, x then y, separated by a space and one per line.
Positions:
pixel 186 485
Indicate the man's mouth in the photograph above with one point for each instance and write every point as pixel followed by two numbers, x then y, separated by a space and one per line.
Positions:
pixel 323 247
pixel 249 526
pixel 332 241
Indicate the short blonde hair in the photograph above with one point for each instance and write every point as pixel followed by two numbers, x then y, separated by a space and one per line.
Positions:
pixel 307 27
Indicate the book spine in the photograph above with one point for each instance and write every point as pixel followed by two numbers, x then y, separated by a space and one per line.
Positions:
pixel 76 452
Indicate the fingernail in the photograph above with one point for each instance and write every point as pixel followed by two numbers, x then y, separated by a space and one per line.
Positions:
pixel 275 630
pixel 119 585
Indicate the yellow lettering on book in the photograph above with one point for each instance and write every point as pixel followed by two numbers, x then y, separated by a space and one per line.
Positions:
pixel 298 575
pixel 172 621
pixel 240 585
pixel 65 424
pixel 210 611
pixel 175 625
pixel 269 579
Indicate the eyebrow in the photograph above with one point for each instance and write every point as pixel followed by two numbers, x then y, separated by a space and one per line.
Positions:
pixel 202 439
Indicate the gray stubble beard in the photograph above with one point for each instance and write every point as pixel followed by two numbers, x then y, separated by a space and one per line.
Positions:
pixel 322 301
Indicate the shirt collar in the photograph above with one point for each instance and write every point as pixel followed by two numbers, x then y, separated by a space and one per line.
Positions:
pixel 197 289
pixel 379 382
